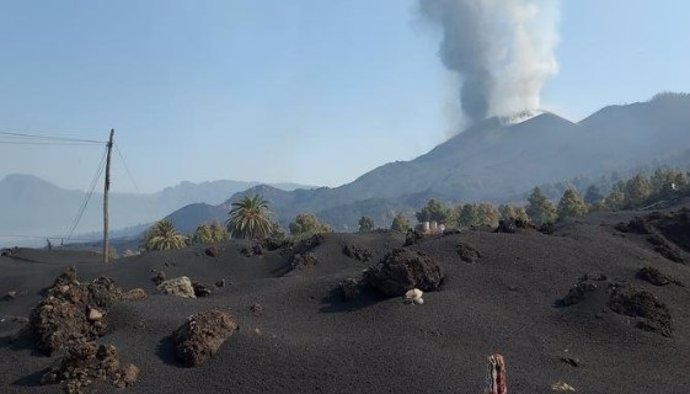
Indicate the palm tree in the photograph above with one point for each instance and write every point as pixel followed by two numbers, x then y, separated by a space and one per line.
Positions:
pixel 163 236
pixel 249 218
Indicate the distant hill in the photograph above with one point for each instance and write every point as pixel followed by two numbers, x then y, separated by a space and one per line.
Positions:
pixel 35 207
pixel 494 161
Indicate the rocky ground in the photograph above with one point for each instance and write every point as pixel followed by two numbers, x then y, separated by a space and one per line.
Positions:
pixel 598 304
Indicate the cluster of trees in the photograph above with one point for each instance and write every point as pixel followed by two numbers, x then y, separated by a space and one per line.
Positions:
pixel 250 217
pixel 640 190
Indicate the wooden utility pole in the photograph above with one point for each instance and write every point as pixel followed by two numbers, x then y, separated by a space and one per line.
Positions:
pixel 105 197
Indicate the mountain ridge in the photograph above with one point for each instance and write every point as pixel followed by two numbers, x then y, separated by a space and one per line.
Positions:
pixel 493 162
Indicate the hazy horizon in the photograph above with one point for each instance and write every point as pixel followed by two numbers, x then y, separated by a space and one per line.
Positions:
pixel 266 91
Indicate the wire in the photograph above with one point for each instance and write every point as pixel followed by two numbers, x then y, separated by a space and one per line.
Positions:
pixel 129 173
pixel 40 237
pixel 92 187
pixel 45 137
pixel 45 143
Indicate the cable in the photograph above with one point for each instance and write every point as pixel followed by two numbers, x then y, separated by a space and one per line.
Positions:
pixel 45 137
pixel 92 187
pixel 45 143
pixel 40 237
pixel 129 173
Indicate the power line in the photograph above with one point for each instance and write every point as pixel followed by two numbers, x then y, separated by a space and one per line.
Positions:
pixel 41 237
pixel 129 173
pixel 94 182
pixel 45 143
pixel 11 134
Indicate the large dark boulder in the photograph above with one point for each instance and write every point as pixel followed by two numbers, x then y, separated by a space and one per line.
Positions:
pixel 200 337
pixel 402 270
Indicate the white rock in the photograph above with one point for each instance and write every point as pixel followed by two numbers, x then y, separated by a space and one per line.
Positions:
pixel 562 386
pixel 95 314
pixel 414 295
pixel 180 287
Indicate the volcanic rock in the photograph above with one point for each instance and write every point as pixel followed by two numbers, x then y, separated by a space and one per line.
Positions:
pixel 354 252
pixel 412 237
pixel 180 287
pixel 72 311
pixel 137 294
pixel 655 315
pixel 402 270
pixel 200 337
pixel 212 251
pixel 302 261
pixel 467 253
pixel 87 361
pixel 653 276
pixel 348 289
pixel 201 290
pixel 586 284
pixel 158 277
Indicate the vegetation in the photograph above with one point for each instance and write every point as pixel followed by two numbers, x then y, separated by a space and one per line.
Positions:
pixel 366 224
pixel 571 204
pixel 593 196
pixel 400 223
pixel 210 233
pixel 510 212
pixel 637 191
pixel 434 211
pixel 249 218
pixel 307 225
pixel 476 215
pixel 540 210
pixel 163 236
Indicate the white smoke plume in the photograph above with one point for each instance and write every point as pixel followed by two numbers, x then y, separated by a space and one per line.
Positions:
pixel 503 51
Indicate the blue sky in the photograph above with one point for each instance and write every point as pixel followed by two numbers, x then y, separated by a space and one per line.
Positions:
pixel 308 91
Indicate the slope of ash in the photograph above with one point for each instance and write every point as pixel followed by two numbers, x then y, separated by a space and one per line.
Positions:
pixel 624 327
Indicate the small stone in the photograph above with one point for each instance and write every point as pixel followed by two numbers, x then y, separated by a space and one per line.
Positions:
pixel 130 374
pixel 220 283
pixel 414 296
pixel 257 309
pixel 95 314
pixel 575 362
pixel 562 386
pixel 512 288
pixel 10 295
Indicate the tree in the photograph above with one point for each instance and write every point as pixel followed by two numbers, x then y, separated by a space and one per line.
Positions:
pixel 307 225
pixel 434 211
pixel 366 224
pixel 477 215
pixel 540 209
pixel 615 200
pixel 637 191
pixel 210 233
pixel 571 204
pixel 400 223
pixel 510 212
pixel 163 236
pixel 249 218
pixel 593 195
pixel 488 215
